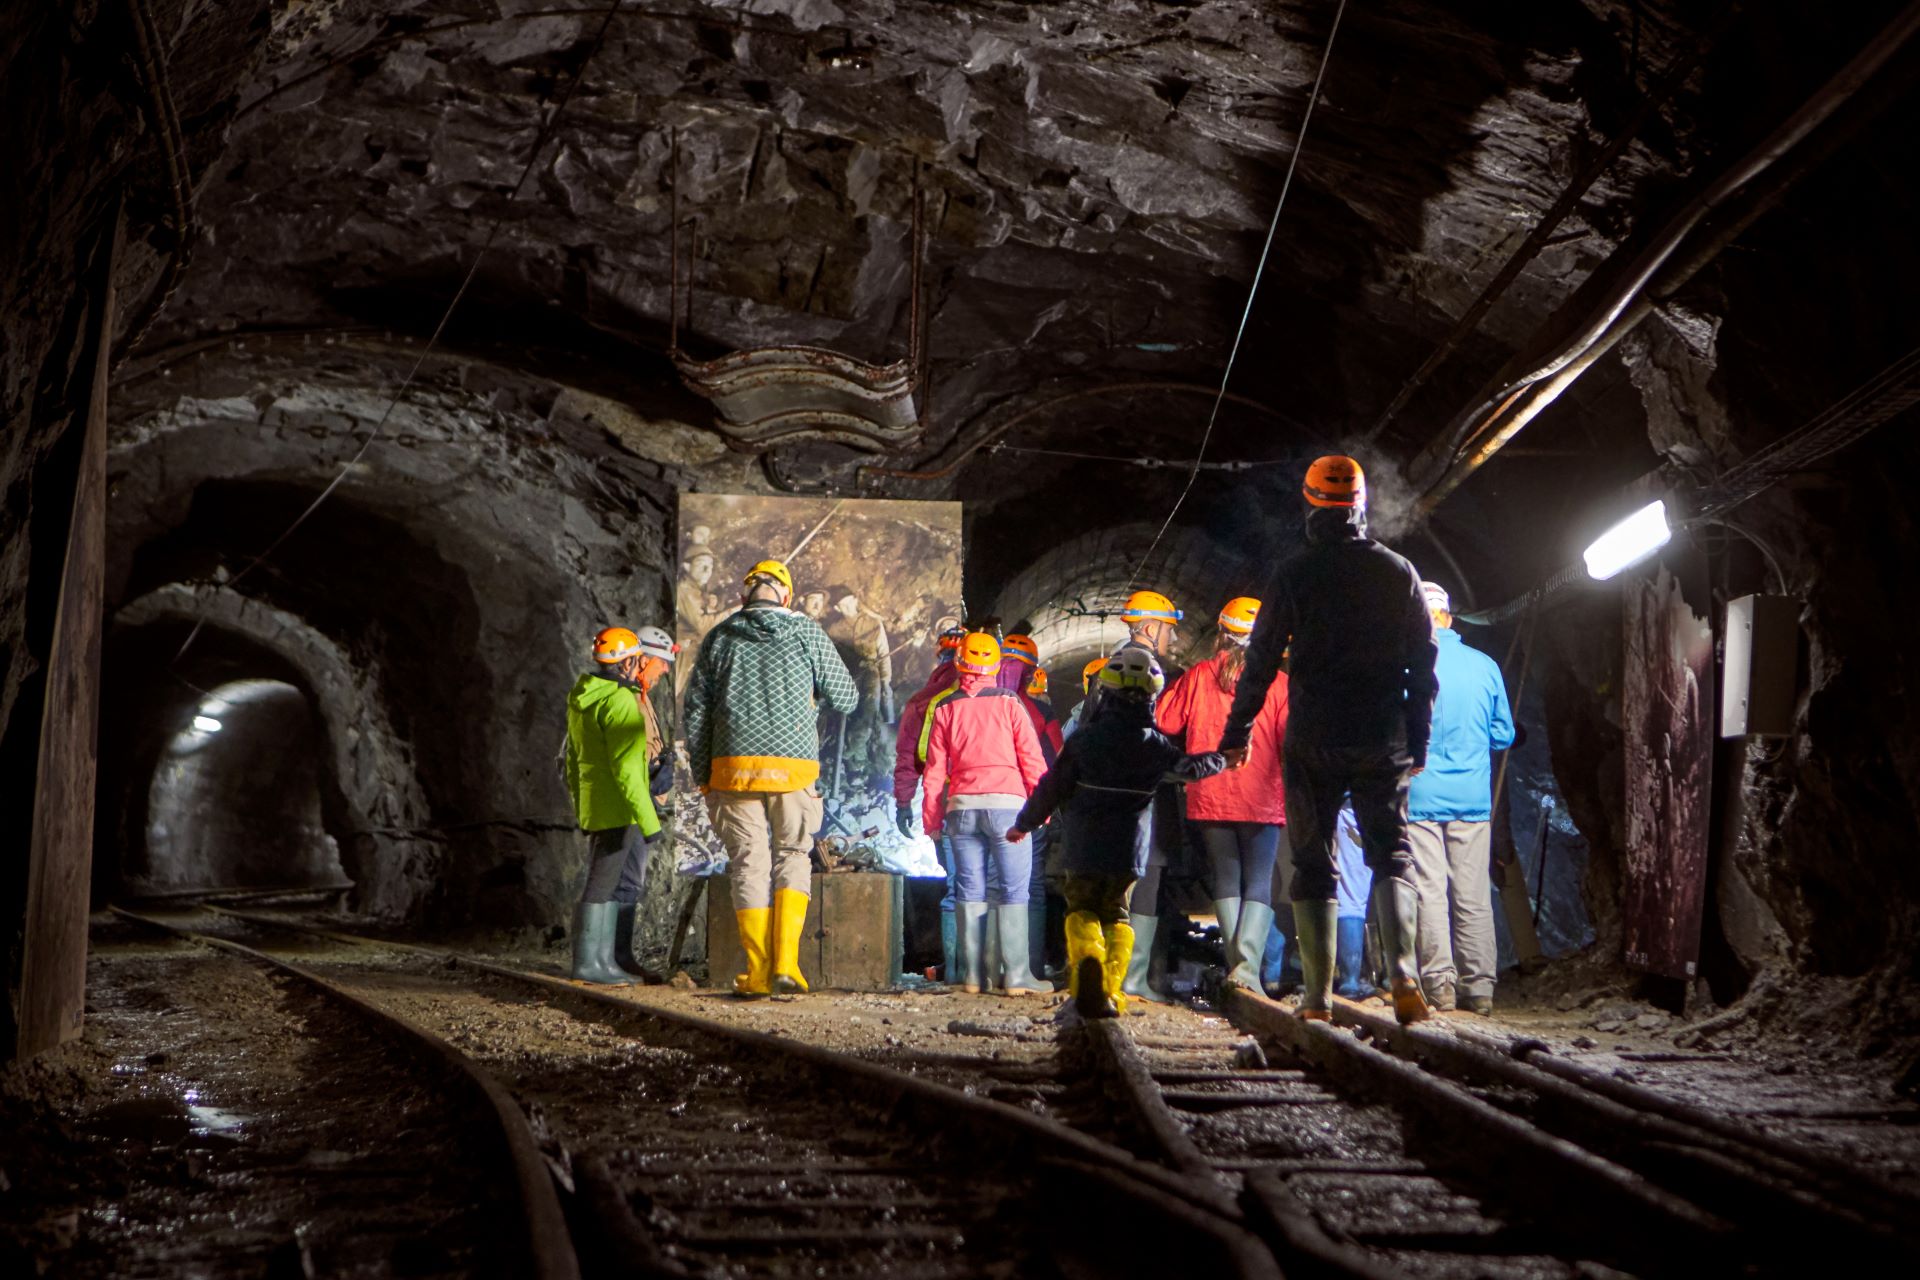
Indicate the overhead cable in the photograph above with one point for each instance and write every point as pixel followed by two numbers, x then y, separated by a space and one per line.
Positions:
pixel 1246 312
pixel 172 140
pixel 1542 234
pixel 406 384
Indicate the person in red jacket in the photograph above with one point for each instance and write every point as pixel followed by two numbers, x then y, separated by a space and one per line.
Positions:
pixel 1241 815
pixel 983 761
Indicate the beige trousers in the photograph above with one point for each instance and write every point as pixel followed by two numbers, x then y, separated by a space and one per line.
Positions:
pixel 769 839
pixel 1451 866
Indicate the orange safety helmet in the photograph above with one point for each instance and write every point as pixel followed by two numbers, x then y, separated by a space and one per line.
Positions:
pixel 1335 481
pixel 1088 672
pixel 1021 648
pixel 951 639
pixel 1037 686
pixel 979 654
pixel 1237 618
pixel 1149 606
pixel 615 644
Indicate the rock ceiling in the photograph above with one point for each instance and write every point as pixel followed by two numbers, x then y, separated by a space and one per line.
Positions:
pixel 1098 178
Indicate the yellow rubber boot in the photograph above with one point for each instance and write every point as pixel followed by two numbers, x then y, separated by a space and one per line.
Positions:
pixel 789 919
pixel 1119 952
pixel 1087 946
pixel 755 923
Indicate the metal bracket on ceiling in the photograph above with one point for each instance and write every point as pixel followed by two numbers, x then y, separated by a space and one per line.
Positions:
pixel 768 396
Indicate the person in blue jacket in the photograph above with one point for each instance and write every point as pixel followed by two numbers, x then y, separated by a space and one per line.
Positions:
pixel 1450 811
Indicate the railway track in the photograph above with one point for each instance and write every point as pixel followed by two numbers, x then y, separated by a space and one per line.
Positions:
pixel 1361 1150
pixel 684 1147
pixel 1651 1183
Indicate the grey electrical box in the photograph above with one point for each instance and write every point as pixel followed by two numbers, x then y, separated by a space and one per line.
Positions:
pixel 1763 654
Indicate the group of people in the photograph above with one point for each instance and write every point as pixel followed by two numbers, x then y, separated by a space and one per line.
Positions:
pixel 1380 712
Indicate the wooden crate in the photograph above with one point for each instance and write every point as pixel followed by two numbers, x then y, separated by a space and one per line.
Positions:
pixel 853 936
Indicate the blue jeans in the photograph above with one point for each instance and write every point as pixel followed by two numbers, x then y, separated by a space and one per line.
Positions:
pixel 985 867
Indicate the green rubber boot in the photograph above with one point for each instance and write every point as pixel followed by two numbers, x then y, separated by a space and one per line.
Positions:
pixel 593 925
pixel 1249 944
pixel 971 920
pixel 1396 906
pixel 1316 924
pixel 1135 985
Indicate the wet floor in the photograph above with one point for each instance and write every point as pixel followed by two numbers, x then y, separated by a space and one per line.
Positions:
pixel 215 1123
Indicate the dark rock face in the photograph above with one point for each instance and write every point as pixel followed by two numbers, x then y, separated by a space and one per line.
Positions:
pixel 1098 180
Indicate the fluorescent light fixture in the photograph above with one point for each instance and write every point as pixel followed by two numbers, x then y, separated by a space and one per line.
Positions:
pixel 206 724
pixel 1629 542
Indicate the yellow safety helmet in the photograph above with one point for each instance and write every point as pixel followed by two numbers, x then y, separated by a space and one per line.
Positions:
pixel 1146 606
pixel 979 654
pixel 1335 481
pixel 771 571
pixel 615 644
pixel 1021 649
pixel 1237 618
pixel 1037 686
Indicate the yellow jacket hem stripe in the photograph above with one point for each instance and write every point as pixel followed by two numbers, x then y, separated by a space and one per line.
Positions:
pixel 762 773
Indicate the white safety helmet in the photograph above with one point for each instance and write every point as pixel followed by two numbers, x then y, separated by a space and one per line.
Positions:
pixel 1134 669
pixel 656 643
pixel 1438 601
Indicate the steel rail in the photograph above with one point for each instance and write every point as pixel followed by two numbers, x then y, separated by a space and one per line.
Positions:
pixel 1776 1202
pixel 1096 1170
pixel 549 1245
pixel 1783 1178
pixel 1593 1197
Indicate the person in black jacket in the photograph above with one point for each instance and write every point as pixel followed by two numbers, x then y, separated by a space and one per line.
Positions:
pixel 1105 781
pixel 1349 616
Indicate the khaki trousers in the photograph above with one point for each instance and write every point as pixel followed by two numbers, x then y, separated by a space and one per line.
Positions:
pixel 1452 867
pixel 769 839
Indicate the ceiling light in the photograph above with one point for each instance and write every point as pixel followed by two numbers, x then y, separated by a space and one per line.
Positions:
pixel 206 724
pixel 1629 542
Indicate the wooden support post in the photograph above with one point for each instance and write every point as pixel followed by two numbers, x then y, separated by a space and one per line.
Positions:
pixel 53 977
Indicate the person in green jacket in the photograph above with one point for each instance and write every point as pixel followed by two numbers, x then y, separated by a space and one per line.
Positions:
pixel 608 777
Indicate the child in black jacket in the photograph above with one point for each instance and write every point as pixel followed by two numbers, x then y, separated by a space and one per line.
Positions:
pixel 1103 785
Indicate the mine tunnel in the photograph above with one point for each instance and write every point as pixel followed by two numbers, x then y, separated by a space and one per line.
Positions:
pixel 1043 639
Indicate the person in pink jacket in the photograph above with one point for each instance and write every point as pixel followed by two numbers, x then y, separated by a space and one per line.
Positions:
pixel 1241 815
pixel 910 761
pixel 983 761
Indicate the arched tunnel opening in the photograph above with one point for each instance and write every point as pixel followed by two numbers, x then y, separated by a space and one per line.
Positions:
pixel 506 511
pixel 235 798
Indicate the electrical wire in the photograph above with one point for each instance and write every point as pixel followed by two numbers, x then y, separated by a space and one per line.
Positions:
pixel 172 140
pixel 1246 313
pixel 406 384
pixel 1150 464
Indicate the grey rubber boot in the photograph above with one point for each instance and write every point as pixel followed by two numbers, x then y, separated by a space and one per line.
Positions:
pixel 1396 909
pixel 623 954
pixel 1018 978
pixel 593 924
pixel 1227 912
pixel 970 919
pixel 1316 925
pixel 1037 941
pixel 949 948
pixel 1249 944
pixel 1144 930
